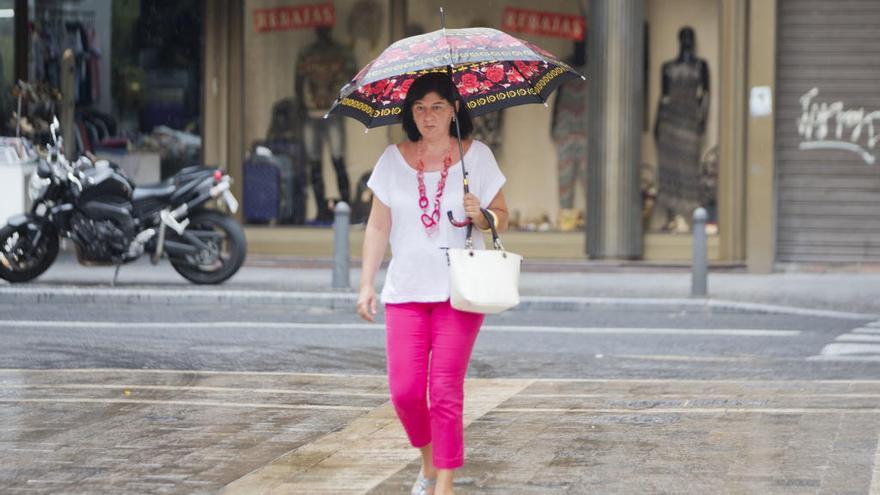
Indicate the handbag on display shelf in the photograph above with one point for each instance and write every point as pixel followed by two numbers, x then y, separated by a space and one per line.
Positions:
pixel 483 280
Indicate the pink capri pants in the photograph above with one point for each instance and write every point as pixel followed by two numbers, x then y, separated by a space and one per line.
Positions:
pixel 413 332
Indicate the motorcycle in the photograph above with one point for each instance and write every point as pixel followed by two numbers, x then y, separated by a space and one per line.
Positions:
pixel 112 222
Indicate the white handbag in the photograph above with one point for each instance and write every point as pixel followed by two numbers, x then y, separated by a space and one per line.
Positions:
pixel 483 280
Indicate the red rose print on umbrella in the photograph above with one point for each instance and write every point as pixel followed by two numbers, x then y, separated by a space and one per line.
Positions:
pixel 495 73
pixel 399 92
pixel 469 83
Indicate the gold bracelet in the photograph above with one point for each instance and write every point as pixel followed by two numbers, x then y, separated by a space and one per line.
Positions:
pixel 494 221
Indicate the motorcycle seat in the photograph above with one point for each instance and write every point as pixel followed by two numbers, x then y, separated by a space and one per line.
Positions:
pixel 160 190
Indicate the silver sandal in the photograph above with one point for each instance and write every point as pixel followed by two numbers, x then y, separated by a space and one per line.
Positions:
pixel 422 484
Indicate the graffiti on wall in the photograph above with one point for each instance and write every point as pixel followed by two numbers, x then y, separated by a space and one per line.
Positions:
pixel 824 125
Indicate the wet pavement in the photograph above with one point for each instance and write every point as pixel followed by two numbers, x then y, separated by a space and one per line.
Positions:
pixel 269 384
pixel 165 431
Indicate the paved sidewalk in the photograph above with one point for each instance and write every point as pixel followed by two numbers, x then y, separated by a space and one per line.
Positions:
pixel 166 431
pixel 839 291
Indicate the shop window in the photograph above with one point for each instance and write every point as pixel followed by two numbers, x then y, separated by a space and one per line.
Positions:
pixel 136 88
pixel 7 61
pixel 297 57
pixel 680 143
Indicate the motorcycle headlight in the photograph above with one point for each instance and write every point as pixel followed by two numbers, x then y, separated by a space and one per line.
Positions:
pixel 37 186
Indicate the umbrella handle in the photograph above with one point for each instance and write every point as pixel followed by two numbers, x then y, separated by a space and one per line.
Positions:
pixel 453 221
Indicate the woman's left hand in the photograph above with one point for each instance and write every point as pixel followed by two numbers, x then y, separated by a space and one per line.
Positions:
pixel 472 207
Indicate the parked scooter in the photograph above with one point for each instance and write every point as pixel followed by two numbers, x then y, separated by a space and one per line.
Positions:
pixel 112 222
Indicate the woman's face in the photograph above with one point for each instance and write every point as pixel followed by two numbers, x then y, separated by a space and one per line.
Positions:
pixel 432 115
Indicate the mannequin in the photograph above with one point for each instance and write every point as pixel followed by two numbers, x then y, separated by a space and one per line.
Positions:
pixel 321 69
pixel 569 132
pixel 487 127
pixel 679 129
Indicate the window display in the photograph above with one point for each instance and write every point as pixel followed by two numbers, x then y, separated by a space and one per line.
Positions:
pixel 322 68
pixel 293 72
pixel 569 131
pixel 681 123
pixel 680 148
pixel 135 95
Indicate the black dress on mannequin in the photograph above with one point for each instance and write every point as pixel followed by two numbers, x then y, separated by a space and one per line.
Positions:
pixel 681 123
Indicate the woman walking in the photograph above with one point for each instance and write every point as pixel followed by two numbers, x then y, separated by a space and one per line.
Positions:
pixel 428 342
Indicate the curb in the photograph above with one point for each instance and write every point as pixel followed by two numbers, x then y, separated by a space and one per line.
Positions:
pixel 345 300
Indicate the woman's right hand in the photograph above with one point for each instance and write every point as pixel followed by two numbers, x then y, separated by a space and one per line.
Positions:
pixel 366 303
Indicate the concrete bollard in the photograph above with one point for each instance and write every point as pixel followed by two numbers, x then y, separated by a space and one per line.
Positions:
pixel 700 269
pixel 341 223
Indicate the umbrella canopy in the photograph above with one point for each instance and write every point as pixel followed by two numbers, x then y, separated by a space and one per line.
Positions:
pixel 491 69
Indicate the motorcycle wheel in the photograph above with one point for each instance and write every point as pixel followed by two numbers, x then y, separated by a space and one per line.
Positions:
pixel 224 258
pixel 21 261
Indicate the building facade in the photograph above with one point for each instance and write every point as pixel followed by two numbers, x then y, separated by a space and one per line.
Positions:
pixel 762 112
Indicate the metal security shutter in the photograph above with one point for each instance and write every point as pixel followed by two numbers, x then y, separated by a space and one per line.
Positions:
pixel 828 182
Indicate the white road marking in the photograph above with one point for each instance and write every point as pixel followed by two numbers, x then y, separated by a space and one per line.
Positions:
pixel 708 332
pixel 135 387
pixel 537 410
pixel 382 377
pixel 666 357
pixel 667 396
pixel 858 338
pixel 185 372
pixel 705 332
pixel 363 454
pixel 188 403
pixel 842 349
pixel 609 395
pixel 865 346
pixel 686 410
pixel 851 358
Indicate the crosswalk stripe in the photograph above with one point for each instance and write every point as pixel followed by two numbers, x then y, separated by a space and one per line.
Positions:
pixel 861 344
pixel 850 358
pixel 839 349
pixel 858 338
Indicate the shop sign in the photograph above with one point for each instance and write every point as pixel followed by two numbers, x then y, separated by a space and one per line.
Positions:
pixel 294 17
pixel 832 126
pixel 544 23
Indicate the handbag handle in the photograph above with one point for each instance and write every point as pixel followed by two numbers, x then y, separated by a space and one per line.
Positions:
pixel 496 241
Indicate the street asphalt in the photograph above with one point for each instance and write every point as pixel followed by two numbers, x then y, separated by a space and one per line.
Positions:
pixel 544 285
pixel 605 380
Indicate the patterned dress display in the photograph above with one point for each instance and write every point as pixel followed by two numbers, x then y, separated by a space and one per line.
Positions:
pixel 680 120
pixel 570 136
pixel 487 129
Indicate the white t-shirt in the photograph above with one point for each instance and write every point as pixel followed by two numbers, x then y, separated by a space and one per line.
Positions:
pixel 419 269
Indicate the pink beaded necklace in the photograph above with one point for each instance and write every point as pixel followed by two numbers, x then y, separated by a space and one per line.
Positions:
pixel 431 221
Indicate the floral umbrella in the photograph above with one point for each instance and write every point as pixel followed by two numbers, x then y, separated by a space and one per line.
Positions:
pixel 491 69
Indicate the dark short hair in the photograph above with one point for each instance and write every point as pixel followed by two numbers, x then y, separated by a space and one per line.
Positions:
pixel 440 83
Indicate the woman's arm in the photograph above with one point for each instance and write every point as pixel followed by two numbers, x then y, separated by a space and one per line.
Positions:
pixel 376 238
pixel 498 206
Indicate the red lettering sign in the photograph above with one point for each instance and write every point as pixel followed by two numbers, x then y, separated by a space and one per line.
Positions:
pixel 298 17
pixel 553 24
